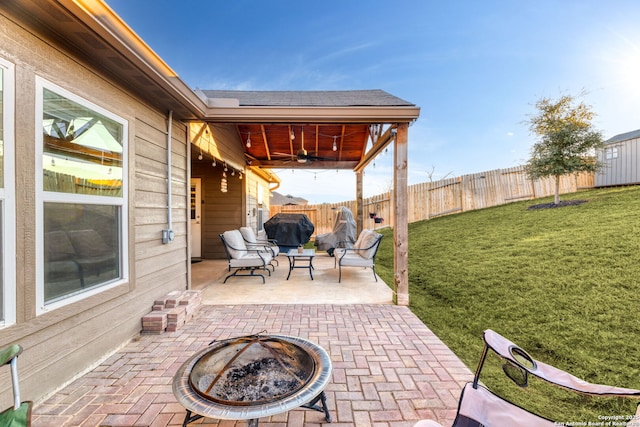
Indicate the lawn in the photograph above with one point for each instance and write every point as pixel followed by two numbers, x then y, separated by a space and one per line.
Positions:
pixel 562 283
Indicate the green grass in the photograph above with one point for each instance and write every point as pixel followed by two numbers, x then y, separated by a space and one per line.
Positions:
pixel 562 283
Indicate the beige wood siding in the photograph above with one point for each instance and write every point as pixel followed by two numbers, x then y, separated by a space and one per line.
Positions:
pixel 220 211
pixel 64 342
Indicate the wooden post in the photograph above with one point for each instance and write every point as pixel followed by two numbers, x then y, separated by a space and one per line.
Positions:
pixel 401 226
pixel 359 203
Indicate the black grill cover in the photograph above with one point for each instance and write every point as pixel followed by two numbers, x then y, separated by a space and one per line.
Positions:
pixel 290 230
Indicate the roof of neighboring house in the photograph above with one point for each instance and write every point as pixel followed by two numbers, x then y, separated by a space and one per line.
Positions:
pixel 342 98
pixel 278 199
pixel 623 137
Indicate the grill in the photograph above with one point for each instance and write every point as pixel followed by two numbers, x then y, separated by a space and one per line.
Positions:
pixel 255 376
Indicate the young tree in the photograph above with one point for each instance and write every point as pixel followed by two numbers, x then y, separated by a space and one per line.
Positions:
pixel 567 140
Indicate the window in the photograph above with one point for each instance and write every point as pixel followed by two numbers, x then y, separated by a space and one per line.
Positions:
pixel 7 204
pixel 83 205
pixel 611 153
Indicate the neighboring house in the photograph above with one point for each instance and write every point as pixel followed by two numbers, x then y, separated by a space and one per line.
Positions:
pixel 278 199
pixel 114 174
pixel 621 158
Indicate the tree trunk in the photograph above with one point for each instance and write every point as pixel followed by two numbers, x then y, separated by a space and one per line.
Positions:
pixel 556 197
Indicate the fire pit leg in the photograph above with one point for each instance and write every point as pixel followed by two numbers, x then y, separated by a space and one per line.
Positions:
pixel 190 418
pixel 323 400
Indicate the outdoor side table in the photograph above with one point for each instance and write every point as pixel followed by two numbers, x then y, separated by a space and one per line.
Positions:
pixel 305 257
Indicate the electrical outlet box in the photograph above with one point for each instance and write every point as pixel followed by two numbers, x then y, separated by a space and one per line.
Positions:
pixel 167 236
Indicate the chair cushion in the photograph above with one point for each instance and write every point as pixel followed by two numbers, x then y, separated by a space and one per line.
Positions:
pixel 248 234
pixel 235 244
pixel 368 241
pixel 251 259
pixel 353 260
pixel 262 243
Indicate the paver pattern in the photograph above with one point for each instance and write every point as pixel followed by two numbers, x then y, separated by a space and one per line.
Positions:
pixel 389 369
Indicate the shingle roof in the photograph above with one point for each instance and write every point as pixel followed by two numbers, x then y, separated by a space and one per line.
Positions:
pixel 346 98
pixel 623 137
pixel 277 199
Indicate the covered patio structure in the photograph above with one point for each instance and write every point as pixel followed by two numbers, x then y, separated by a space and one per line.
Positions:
pixel 325 130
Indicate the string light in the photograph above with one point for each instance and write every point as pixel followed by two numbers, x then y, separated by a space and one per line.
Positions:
pixel 335 146
pixel 249 140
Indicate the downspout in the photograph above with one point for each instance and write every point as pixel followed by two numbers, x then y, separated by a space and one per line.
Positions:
pixel 167 234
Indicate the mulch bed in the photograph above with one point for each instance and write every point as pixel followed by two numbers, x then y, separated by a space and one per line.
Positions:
pixel 562 203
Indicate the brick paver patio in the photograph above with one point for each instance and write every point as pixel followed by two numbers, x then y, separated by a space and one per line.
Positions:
pixel 389 370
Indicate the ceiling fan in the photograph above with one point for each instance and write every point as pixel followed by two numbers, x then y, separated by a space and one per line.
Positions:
pixel 302 155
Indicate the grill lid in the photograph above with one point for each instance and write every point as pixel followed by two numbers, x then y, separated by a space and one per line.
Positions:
pixel 251 370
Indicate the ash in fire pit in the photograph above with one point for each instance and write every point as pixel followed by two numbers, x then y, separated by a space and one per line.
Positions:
pixel 261 380
pixel 252 370
pixel 251 377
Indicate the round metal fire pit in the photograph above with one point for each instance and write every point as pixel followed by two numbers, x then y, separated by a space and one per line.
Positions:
pixel 252 377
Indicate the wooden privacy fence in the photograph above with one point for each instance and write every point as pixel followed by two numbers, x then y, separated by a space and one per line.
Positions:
pixel 448 196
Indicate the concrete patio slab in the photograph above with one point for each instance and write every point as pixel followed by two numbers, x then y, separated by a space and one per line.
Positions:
pixel 358 285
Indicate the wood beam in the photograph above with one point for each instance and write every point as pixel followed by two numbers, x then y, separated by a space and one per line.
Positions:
pixel 266 142
pixel 401 226
pixel 359 203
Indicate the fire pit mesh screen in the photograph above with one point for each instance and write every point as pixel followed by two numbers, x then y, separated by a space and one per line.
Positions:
pixel 251 371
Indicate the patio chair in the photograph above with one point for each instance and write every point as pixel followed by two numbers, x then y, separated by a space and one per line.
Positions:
pixel 362 254
pixel 19 415
pixel 242 258
pixel 479 407
pixel 254 242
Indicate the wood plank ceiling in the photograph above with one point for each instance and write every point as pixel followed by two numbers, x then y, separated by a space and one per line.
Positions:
pixel 318 146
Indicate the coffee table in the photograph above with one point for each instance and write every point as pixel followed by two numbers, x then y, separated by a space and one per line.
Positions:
pixel 306 256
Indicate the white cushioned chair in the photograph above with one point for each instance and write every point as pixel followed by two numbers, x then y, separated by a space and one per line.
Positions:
pixel 242 258
pixel 362 254
pixel 253 242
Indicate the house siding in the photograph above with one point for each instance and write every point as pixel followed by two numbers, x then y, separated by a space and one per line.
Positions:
pixel 65 342
pixel 622 170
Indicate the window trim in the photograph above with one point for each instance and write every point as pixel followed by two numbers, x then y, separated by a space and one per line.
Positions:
pixel 43 197
pixel 611 153
pixel 7 194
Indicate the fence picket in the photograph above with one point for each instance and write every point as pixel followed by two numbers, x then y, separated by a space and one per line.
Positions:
pixel 445 197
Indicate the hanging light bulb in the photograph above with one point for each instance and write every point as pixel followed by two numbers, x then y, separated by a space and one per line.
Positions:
pixel 335 146
pixel 240 175
pixel 233 172
pixel 293 135
pixel 200 156
pixel 249 140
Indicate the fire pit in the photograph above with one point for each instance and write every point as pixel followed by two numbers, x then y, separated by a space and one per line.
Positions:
pixel 251 377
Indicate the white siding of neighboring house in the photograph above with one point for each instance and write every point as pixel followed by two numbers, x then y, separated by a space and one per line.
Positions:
pixel 621 160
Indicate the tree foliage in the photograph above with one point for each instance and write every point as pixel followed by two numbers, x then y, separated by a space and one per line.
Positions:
pixel 567 141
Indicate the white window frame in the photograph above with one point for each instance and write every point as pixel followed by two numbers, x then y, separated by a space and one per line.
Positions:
pixel 46 196
pixel 611 153
pixel 7 195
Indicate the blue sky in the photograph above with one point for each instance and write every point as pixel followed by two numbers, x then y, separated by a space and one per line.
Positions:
pixel 475 68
